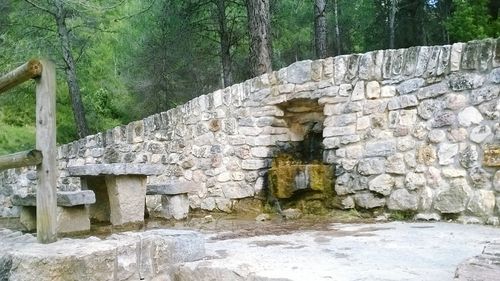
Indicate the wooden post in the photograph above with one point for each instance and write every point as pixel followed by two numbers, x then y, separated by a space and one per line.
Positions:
pixel 20 159
pixel 46 198
pixel 25 72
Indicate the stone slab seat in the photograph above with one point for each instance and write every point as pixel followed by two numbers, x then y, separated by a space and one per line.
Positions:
pixel 120 190
pixel 174 198
pixel 117 169
pixel 72 213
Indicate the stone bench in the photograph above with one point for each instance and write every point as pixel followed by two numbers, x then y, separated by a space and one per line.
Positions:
pixel 120 190
pixel 72 213
pixel 174 198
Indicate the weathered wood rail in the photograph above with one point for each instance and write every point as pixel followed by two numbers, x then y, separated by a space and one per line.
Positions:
pixel 44 157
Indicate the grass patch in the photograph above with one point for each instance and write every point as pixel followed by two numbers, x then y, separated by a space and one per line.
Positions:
pixel 15 139
pixel 401 215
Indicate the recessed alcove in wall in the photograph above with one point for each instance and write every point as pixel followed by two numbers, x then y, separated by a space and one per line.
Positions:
pixel 298 178
pixel 304 119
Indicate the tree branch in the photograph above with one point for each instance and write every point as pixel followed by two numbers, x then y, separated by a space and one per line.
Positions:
pixel 39 7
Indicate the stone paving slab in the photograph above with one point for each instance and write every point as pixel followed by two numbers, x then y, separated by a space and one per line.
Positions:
pixel 485 266
pixel 371 252
pixel 149 255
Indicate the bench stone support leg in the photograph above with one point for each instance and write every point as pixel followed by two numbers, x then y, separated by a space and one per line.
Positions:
pixel 73 219
pixel 175 206
pixel 100 210
pixel 126 198
pixel 28 217
pixel 69 219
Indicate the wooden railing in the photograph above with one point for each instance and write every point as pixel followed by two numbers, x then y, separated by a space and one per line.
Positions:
pixel 44 155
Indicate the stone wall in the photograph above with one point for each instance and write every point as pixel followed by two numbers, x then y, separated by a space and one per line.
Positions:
pixel 405 129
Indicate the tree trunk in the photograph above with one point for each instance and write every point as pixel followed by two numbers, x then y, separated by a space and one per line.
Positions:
pixel 320 28
pixel 392 19
pixel 70 69
pixel 259 27
pixel 225 44
pixel 337 28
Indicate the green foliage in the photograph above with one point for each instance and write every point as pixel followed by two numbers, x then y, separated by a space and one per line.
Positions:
pixel 470 20
pixel 401 215
pixel 16 138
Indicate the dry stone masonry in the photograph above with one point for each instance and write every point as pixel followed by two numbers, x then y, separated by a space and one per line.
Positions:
pixel 413 130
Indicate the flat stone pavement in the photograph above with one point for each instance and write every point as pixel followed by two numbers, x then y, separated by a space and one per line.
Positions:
pixel 383 251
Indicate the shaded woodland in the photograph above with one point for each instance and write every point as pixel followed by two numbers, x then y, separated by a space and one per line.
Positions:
pixel 121 60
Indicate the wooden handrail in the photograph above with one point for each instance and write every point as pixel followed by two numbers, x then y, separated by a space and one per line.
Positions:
pixel 25 72
pixel 21 159
pixel 44 73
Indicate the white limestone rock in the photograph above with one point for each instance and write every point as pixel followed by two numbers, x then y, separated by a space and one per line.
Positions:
pixel 368 200
pixel 453 199
pixel 402 200
pixel 414 180
pixel 482 203
pixel 372 90
pixel 468 116
pixel 480 133
pixel 382 184
pixel 175 206
pixel 447 153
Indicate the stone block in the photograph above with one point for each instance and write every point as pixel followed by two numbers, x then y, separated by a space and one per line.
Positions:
pixel 469 156
pixel 405 101
pixel 64 198
pixel 414 180
pixel 372 90
pixel 484 94
pixel 395 164
pixel 480 178
pixel 443 118
pixel 409 86
pixel 452 172
pixel 432 91
pixel 382 184
pixel 339 68
pixel 426 154
pixel 116 169
pixel 172 188
pixel 402 200
pixel 465 81
pixel 447 153
pixel 496 181
pixel 371 166
pixel 456 56
pixel 388 91
pixel 482 203
pixel 359 91
pixel 340 120
pixel 175 206
pixel 452 200
pixel 368 200
pixel 74 219
pixel 480 133
pixel 492 155
pixel 252 164
pixel 126 199
pixel 235 190
pixel 380 148
pixel 470 115
pixel 339 131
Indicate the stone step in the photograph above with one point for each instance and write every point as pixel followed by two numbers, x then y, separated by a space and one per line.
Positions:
pixel 148 255
pixel 64 198
pixel 482 267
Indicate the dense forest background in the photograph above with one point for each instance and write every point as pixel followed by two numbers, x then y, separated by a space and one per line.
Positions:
pixel 126 59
